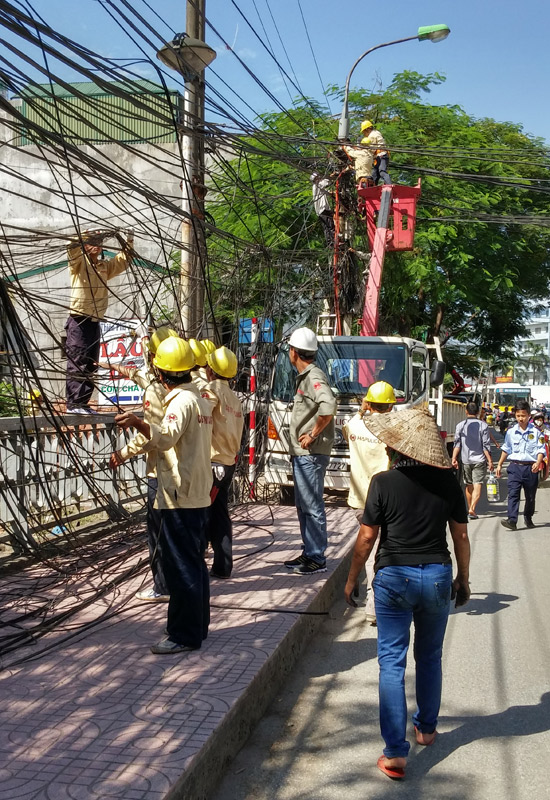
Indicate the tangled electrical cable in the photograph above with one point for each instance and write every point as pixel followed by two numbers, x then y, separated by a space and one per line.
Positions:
pixel 105 151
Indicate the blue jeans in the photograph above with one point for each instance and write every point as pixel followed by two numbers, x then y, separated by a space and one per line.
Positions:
pixel 309 482
pixel 404 594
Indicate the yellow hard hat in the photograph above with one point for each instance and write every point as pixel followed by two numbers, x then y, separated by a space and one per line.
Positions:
pixel 174 355
pixel 35 394
pixel 159 336
pixel 365 140
pixel 223 361
pixel 366 124
pixel 380 392
pixel 208 345
pixel 199 351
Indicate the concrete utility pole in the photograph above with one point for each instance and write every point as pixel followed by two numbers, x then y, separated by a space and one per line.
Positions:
pixel 191 294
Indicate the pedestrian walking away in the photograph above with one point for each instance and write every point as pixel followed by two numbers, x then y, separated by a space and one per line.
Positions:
pixel 525 447
pixel 411 505
pixel 367 457
pixel 182 441
pixel 311 440
pixel 89 298
pixel 154 394
pixel 473 444
pixel 227 431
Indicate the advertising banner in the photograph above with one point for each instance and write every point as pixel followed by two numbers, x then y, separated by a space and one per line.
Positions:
pixel 120 346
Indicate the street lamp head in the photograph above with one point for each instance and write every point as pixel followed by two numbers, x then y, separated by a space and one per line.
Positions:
pixel 186 55
pixel 435 33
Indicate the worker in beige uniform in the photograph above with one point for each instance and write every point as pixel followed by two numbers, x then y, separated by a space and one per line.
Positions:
pixel 374 141
pixel 367 457
pixel 153 413
pixel 182 441
pixel 227 420
pixel 89 275
pixel 362 158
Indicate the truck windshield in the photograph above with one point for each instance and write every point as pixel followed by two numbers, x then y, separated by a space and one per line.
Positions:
pixel 350 367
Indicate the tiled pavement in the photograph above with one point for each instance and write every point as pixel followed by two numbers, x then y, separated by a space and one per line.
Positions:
pixel 98 717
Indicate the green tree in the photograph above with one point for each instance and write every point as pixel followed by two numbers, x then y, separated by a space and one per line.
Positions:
pixel 468 277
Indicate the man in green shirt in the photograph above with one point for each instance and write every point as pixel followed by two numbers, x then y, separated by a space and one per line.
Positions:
pixel 311 439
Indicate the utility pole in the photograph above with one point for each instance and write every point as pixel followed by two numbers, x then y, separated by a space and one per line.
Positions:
pixel 191 294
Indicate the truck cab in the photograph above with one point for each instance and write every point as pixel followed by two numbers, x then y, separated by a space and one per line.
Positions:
pixel 351 364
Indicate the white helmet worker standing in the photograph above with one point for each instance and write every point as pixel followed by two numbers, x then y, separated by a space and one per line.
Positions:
pixel 311 440
pixel 305 340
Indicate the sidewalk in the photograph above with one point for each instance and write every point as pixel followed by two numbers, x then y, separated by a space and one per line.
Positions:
pixel 98 716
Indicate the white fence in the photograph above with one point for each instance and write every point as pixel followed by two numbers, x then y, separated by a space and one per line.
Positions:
pixel 55 471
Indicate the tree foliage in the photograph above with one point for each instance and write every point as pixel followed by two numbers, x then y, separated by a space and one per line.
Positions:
pixel 475 265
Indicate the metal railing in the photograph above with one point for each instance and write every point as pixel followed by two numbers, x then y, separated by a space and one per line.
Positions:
pixel 55 471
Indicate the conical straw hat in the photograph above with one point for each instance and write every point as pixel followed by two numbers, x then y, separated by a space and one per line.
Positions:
pixel 412 432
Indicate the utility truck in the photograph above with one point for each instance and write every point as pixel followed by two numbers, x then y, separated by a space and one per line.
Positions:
pixel 353 363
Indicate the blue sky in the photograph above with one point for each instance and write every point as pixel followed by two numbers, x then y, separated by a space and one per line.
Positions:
pixel 495 60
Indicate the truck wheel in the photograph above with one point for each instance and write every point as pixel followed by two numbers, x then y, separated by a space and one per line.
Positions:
pixel 287 495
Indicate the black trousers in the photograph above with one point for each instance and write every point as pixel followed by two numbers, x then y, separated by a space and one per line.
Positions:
pixel 182 541
pixel 521 476
pixel 220 530
pixel 380 169
pixel 82 351
pixel 154 523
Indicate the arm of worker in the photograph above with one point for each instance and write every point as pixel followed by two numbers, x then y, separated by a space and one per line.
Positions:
pixel 123 259
pixel 129 420
pixel 461 544
pixel 141 377
pixel 540 458
pixel 494 441
pixel 489 459
pixel 135 447
pixel 321 422
pixel 364 543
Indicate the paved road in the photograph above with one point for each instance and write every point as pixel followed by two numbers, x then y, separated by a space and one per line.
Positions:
pixel 321 739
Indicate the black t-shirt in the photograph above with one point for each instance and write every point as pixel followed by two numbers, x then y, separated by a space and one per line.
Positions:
pixel 412 505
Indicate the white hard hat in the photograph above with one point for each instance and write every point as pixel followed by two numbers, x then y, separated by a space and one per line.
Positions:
pixel 304 339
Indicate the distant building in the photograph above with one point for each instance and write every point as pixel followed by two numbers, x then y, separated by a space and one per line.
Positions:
pixel 537 345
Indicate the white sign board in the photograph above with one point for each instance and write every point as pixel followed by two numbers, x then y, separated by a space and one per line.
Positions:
pixel 120 345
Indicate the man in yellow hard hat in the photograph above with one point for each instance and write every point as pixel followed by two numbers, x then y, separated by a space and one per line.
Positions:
pixel 183 441
pixel 374 141
pixel 153 412
pixel 367 457
pixel 227 431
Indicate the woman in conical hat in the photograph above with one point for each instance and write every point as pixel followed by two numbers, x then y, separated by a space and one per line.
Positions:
pixel 411 506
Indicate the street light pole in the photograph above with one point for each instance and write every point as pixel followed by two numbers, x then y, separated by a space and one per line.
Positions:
pixel 189 55
pixel 434 33
pixel 191 290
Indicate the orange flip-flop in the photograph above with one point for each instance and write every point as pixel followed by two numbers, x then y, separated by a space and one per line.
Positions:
pixel 392 772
